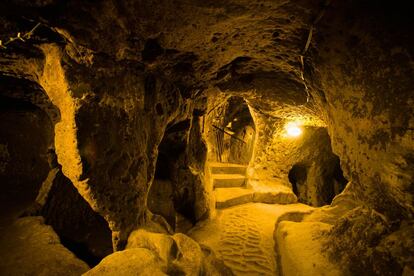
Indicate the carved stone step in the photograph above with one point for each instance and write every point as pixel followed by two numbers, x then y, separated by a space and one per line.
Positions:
pixel 227 168
pixel 228 180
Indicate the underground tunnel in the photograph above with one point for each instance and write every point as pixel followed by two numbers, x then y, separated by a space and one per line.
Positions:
pixel 206 137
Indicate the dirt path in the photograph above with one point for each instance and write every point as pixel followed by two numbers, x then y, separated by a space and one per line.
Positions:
pixel 243 236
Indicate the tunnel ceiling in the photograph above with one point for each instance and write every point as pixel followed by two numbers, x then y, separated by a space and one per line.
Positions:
pixel 237 46
pixel 120 72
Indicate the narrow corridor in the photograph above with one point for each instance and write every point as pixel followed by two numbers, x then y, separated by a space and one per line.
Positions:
pixel 243 236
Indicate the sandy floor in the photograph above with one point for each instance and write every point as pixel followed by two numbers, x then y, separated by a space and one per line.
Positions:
pixel 243 236
pixel 27 245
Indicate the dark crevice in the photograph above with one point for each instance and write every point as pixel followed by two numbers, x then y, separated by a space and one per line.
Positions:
pixel 81 230
pixel 159 109
pixel 151 50
pixel 330 183
pixel 181 126
pixel 339 178
pixel 297 177
pixel 81 251
pixel 12 104
pixel 162 167
pixel 150 92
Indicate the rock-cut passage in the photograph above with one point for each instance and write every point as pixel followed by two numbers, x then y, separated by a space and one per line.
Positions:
pixel 243 236
pixel 139 100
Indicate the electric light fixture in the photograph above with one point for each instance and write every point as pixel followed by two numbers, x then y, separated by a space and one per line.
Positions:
pixel 293 129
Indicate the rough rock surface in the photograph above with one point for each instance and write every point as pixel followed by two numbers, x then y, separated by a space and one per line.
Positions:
pixel 163 245
pixel 190 256
pixel 362 82
pixel 80 229
pixel 366 102
pixel 29 247
pixel 376 252
pixel 178 253
pixel 107 140
pixel 299 249
pixel 305 163
pixel 120 72
pixel 136 261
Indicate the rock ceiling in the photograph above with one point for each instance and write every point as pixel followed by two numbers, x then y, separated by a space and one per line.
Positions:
pixel 237 46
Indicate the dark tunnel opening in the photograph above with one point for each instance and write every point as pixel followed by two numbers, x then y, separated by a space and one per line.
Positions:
pixel 315 175
pixel 297 177
pixel 317 186
pixel 27 133
pixel 167 196
pixel 81 230
pixel 234 132
pixel 31 179
pixel 339 178
pixel 162 170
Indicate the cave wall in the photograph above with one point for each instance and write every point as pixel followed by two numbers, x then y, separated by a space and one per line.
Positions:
pixel 110 126
pixel 113 114
pixel 361 75
pixel 121 120
pixel 310 153
pixel 112 118
pixel 367 95
pixel 358 69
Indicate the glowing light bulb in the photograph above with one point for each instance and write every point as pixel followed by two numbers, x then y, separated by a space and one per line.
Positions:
pixel 293 130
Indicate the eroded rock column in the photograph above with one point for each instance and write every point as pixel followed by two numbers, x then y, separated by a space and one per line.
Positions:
pixel 113 118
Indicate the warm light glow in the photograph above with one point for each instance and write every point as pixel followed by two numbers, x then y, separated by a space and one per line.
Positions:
pixel 293 130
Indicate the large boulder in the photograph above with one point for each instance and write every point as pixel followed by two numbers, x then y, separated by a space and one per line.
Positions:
pixel 130 262
pixel 298 247
pixel 189 258
pixel 29 247
pixel 180 254
pixel 162 245
pixel 363 242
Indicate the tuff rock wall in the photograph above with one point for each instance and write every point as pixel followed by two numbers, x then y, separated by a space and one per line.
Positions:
pixel 120 71
pixel 304 163
pixel 360 72
pixel 113 117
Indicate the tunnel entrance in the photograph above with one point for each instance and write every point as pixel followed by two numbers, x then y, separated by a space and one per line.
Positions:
pixel 338 179
pixel 297 177
pixel 233 132
pixel 26 135
pixel 160 194
pixel 171 194
pixel 32 181
pixel 318 177
pixel 80 229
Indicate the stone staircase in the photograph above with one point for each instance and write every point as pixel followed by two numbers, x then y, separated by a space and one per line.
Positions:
pixel 229 182
pixel 230 188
